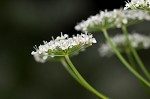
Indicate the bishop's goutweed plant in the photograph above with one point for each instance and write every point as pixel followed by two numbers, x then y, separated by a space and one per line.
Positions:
pixel 62 47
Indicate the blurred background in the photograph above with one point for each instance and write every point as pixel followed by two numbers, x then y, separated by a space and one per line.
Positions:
pixel 25 23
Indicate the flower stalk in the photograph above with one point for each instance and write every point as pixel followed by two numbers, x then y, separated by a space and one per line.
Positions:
pixel 81 80
pixel 135 54
pixel 126 64
pixel 130 58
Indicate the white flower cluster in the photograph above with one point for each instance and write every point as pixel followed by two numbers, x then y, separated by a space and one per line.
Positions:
pixel 138 41
pixel 62 45
pixel 110 19
pixel 143 4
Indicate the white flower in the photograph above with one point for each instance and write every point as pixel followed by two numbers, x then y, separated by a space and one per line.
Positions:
pixel 62 45
pixel 110 19
pixel 38 57
pixel 143 4
pixel 138 41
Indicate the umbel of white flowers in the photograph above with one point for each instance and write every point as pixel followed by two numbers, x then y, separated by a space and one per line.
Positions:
pixel 143 4
pixel 62 45
pixel 138 41
pixel 111 19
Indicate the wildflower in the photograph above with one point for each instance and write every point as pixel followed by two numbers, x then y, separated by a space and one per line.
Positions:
pixel 112 19
pixel 138 41
pixel 62 45
pixel 142 4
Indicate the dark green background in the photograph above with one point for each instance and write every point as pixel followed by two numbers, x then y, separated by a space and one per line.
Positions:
pixel 25 23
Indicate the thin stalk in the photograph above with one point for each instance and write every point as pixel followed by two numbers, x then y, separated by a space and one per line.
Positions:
pixel 135 54
pixel 130 58
pixel 66 66
pixel 132 62
pixel 126 64
pixel 89 87
pixel 74 75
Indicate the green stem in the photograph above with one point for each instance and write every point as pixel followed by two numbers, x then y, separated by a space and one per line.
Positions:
pixel 70 71
pixel 130 58
pixel 132 62
pixel 136 56
pixel 74 75
pixel 89 87
pixel 123 60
